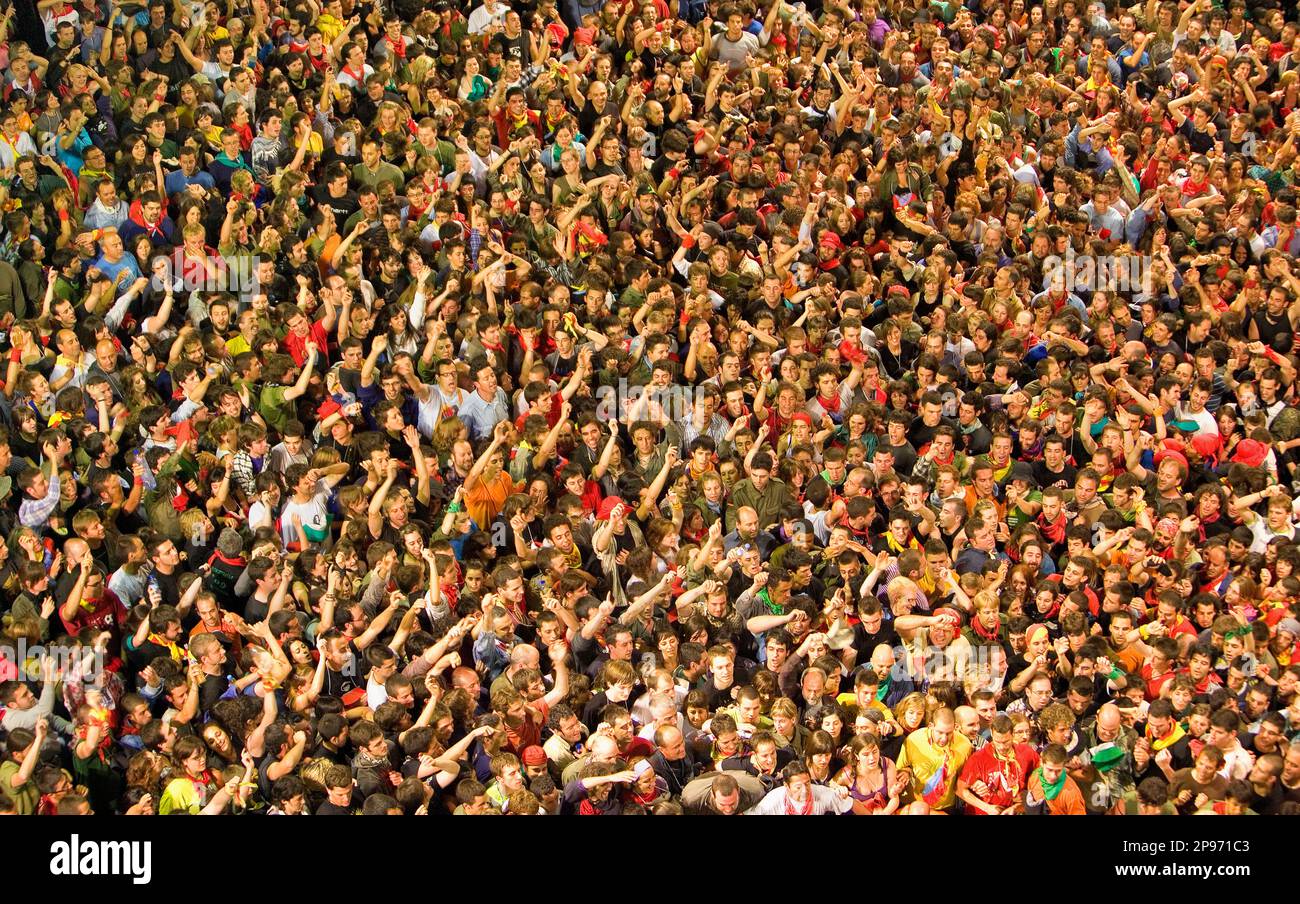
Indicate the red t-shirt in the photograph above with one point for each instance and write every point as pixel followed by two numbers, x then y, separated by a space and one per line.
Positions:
pixel 1005 780
pixel 528 734
pixel 105 612
pixel 296 346
pixel 1155 684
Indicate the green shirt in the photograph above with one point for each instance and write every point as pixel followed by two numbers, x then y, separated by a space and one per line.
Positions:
pixel 274 408
pixel 25 798
pixel 373 178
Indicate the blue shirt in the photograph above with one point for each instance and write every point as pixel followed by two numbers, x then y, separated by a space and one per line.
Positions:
pixel 480 416
pixel 127 263
pixel 177 181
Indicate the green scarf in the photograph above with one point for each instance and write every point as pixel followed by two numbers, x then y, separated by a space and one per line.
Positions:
pixel 1050 791
pixel 883 691
pixel 766 599
pixel 238 163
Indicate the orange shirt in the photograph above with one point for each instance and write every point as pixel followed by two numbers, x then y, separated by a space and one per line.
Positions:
pixel 486 500
pixel 1069 802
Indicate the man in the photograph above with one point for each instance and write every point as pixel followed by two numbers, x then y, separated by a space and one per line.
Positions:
pixel 108 209
pixel 994 779
pixel 487 406
pixel 763 762
pixel 798 796
pixel 1050 791
pixel 722 794
pixel 673 761
pixel 936 755
pixel 765 494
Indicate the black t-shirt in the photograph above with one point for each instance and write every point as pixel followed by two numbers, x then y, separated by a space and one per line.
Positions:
pixel 1046 478
pixel 212 688
pixel 331 809
pixel 904 457
pixel 343 207
pixel 515 48
pixel 1200 142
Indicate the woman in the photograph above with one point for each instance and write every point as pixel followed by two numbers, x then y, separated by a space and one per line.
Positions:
pixel 402 337
pixel 875 784
pixel 194 783
pixel 910 714
pixel 473 86
pixel 569 181
pixel 219 744
pixel 819 753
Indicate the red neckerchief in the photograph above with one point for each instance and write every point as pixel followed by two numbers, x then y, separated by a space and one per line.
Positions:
pixel 1194 189
pixel 399 48
pixel 1050 613
pixel 830 405
pixel 978 627
pixel 1053 530
pixel 805 810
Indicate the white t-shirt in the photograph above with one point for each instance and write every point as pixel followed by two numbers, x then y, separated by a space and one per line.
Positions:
pixel 314 514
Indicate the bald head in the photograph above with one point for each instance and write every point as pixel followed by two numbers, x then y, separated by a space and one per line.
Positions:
pixel 464 678
pixel 882 656
pixel 604 749
pixel 968 721
pixel 524 656
pixel 1108 721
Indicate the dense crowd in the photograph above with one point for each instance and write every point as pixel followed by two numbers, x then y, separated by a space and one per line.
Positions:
pixel 604 408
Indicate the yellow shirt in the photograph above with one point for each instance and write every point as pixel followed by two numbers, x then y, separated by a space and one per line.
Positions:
pixel 330 27
pixel 934 769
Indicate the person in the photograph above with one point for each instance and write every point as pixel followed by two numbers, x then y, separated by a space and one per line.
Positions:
pixel 935 756
pixel 1050 791
pixel 798 796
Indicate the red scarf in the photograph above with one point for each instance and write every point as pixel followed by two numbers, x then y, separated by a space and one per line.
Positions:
pixel 1054 530
pixel 832 405
pixel 805 810
pixel 399 48
pixel 985 633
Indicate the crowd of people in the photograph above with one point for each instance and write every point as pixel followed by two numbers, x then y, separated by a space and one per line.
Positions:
pixel 641 407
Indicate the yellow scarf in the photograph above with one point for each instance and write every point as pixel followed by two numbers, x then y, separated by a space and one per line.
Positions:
pixel 1168 740
pixel 171 647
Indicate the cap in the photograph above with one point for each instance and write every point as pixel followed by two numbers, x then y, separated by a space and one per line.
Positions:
pixel 533 756
pixel 1250 452
pixel 638 747
pixel 949 615
pixel 1107 755
pixel 607 506
pixel 1021 471
pixel 1289 625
